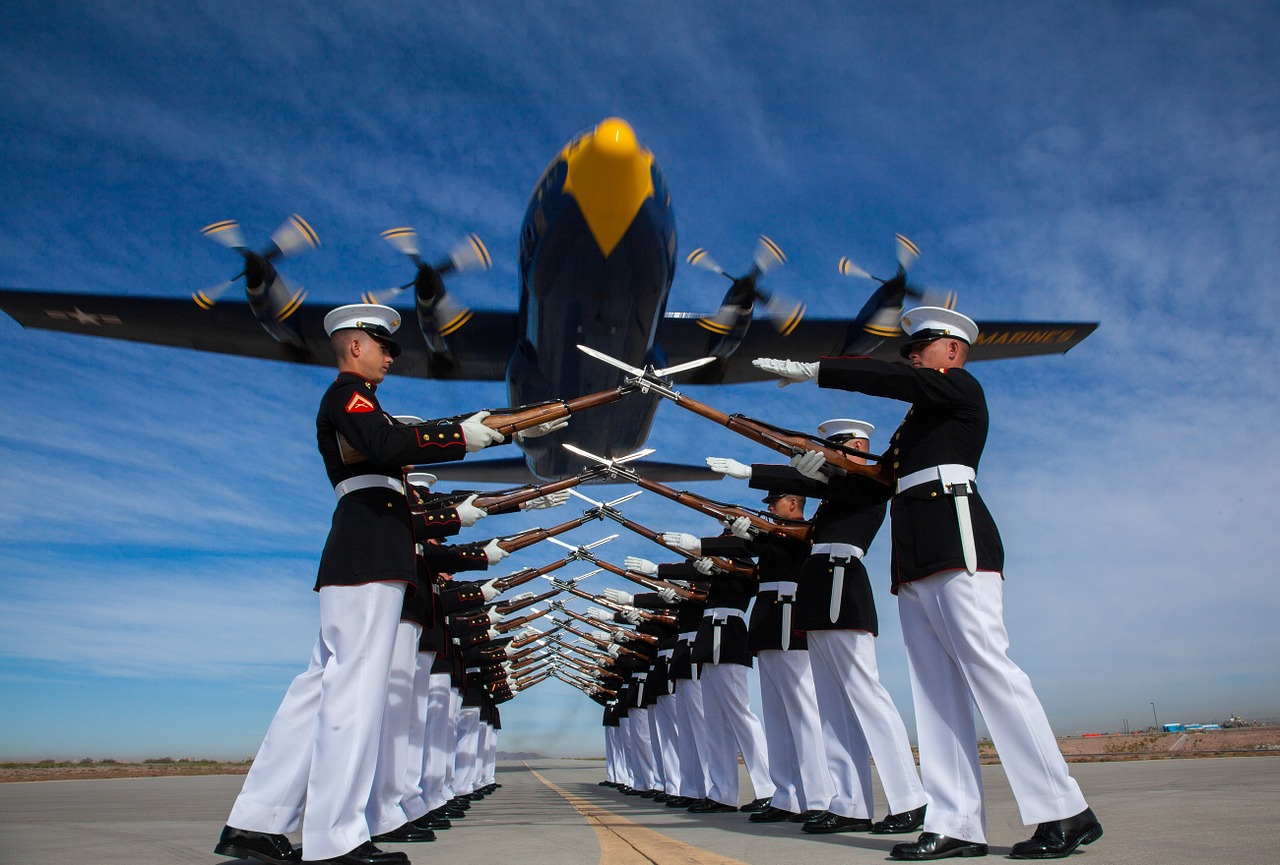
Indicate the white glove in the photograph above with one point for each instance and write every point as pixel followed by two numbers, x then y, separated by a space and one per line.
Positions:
pixel 550 500
pixel 619 597
pixel 600 613
pixel 614 650
pixel 704 566
pixel 632 615
pixel 494 616
pixel 683 540
pixel 741 528
pixel 810 465
pixel 542 429
pixel 489 590
pixel 668 595
pixel 790 371
pixel 509 651
pixel 523 596
pixel 477 435
pixel 495 552
pixel 639 565
pixel 469 513
pixel 732 468
pixel 492 634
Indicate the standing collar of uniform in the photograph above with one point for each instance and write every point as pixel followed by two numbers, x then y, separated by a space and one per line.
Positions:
pixel 358 377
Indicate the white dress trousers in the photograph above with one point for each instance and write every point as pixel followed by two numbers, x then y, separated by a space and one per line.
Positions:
pixel 640 751
pixel 732 728
pixel 666 725
pixel 465 768
pixel 386 811
pixel 793 732
pixel 322 746
pixel 414 798
pixel 692 746
pixel 864 722
pixel 957 646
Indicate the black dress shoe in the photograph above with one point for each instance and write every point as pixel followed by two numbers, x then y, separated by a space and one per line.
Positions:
pixel 448 812
pixel 807 816
pixel 431 821
pixel 896 824
pixel 662 796
pixel 771 815
pixel 460 803
pixel 828 823
pixel 474 795
pixel 931 845
pixel 409 833
pixel 1058 838
pixel 756 805
pixel 365 854
pixel 680 801
pixel 710 806
pixel 244 844
pixel 648 794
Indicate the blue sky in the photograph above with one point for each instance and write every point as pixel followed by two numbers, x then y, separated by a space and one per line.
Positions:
pixel 162 512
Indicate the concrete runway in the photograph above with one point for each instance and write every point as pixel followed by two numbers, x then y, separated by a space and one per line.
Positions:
pixel 1174 812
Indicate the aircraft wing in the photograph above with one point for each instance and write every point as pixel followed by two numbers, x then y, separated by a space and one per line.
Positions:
pixel 479 351
pixel 683 339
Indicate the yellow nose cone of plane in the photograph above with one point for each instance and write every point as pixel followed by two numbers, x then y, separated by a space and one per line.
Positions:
pixel 610 176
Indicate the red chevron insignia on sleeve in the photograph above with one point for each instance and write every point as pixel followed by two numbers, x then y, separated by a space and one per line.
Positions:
pixel 359 404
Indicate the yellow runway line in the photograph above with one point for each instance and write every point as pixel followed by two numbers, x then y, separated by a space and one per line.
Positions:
pixel 623 842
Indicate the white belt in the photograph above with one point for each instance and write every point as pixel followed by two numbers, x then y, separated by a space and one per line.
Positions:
pixel 473 669
pixel 782 587
pixel 666 653
pixel 837 551
pixel 947 474
pixel 723 613
pixel 689 636
pixel 364 482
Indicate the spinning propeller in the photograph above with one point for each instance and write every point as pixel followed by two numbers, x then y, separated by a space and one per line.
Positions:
pixel 880 316
pixel 292 238
pixel 739 302
pixel 439 314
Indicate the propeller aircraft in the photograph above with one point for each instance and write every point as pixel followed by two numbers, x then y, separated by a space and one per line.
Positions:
pixel 597 255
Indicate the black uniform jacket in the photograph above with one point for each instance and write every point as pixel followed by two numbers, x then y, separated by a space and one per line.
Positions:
pixel 726 591
pixel 778 559
pixel 659 682
pixel 850 512
pixel 370 539
pixel 946 425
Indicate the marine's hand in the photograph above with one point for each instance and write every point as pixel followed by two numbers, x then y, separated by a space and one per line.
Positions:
pixel 741 528
pixel 479 436
pixel 619 597
pixel 631 614
pixel 704 566
pixel 683 540
pixel 790 371
pixel 542 429
pixel 732 468
pixel 810 465
pixel 495 552
pixel 489 590
pixel 468 513
pixel 669 595
pixel 639 565
pixel 550 500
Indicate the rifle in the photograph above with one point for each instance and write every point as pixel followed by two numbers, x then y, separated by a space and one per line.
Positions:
pixel 841 460
pixel 645 580
pixel 513 420
pixel 529 537
pixel 615 630
pixel 722 565
pixel 506 607
pixel 520 577
pixel 532 635
pixel 595 641
pixel 511 624
pixel 502 501
pixel 799 530
pixel 646 615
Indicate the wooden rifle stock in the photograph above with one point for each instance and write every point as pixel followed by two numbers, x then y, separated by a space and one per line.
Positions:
pixel 512 420
pixel 647 615
pixel 511 624
pixel 596 641
pixel 521 642
pixel 506 607
pixel 519 578
pixel 529 537
pixel 652 582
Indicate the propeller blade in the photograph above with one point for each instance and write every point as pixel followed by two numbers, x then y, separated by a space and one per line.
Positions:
pixel 294 236
pixel 469 253
pixel 451 314
pixel 848 268
pixel 207 298
pixel 386 295
pixel 227 232
pixel 768 255
pixel 785 313
pixel 908 252
pixel 701 258
pixel 403 239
